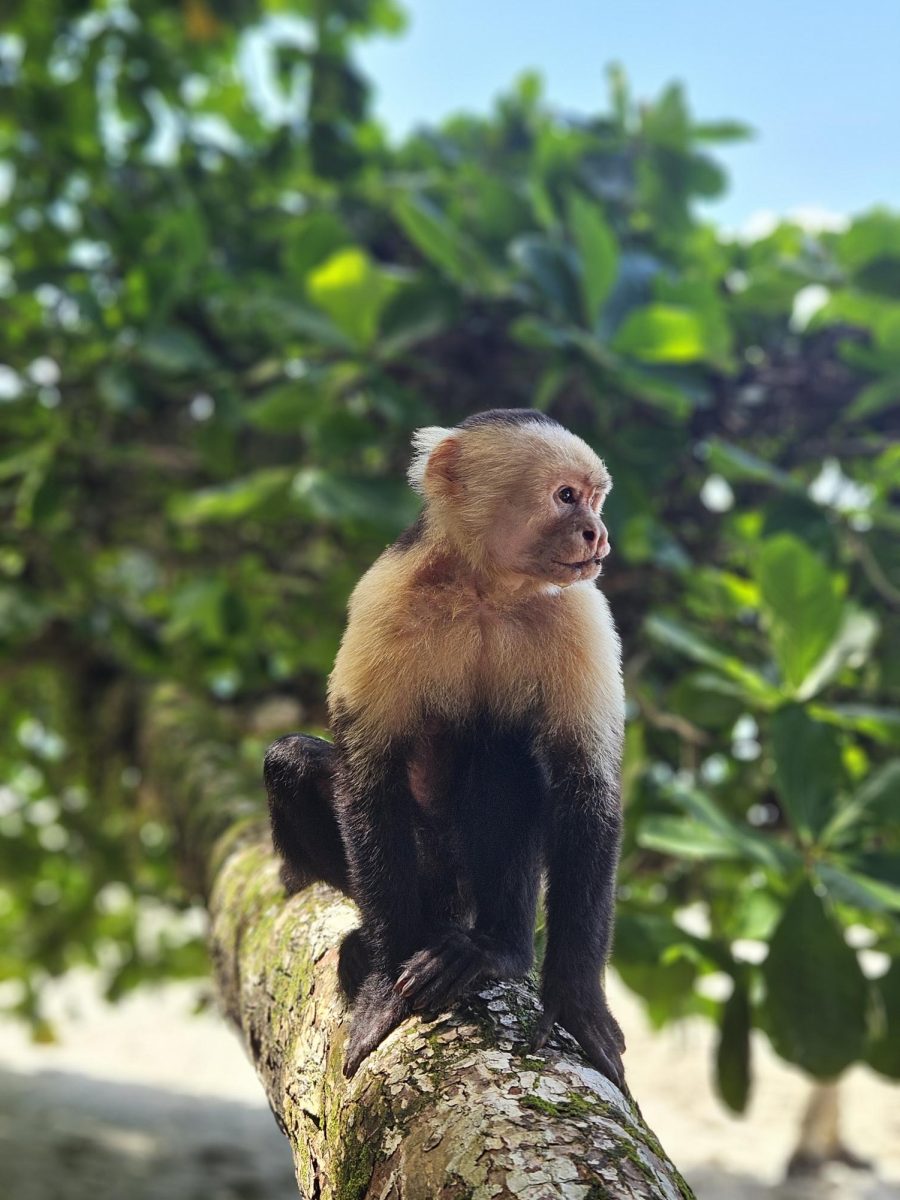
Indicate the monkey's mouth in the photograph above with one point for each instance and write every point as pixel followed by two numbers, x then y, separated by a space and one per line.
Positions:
pixel 594 561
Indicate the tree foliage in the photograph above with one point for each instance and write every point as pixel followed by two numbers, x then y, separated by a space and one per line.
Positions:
pixel 227 300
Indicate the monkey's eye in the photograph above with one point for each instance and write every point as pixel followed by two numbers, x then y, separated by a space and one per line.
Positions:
pixel 567 495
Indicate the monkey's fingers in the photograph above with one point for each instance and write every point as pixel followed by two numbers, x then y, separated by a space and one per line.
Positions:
pixel 432 962
pixel 446 988
pixel 542 1030
pixel 617 1035
pixel 604 1056
pixel 419 971
pixel 371 1025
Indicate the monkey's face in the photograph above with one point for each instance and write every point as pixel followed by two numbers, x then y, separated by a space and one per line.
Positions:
pixel 522 498
pixel 562 540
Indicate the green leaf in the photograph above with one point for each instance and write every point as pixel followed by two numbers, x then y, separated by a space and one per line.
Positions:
pixel 289 407
pixel 807 768
pixel 353 291
pixel 311 240
pixel 746 843
pixel 879 796
pixel 552 268
pixel 883 1051
pixel 598 253
pixel 662 333
pixel 860 890
pixel 801 598
pixel 880 723
pixel 442 243
pixel 875 235
pixel 380 503
pixel 233 500
pixel 685 641
pixel 733 1050
pixel 877 397
pixel 175 352
pixel 644 945
pixel 877 800
pixel 816 994
pixel 722 131
pixel 851 647
pixel 684 838
pixel 737 464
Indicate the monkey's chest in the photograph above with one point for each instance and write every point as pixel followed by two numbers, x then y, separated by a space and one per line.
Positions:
pixel 476 660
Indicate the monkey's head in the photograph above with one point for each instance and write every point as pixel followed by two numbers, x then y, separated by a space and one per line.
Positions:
pixel 516 494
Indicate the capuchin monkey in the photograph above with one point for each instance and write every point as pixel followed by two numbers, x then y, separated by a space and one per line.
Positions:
pixel 477 710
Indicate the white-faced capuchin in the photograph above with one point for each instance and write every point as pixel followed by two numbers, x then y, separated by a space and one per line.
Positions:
pixel 477 710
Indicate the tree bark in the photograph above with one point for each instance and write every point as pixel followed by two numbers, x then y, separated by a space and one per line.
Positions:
pixel 451 1108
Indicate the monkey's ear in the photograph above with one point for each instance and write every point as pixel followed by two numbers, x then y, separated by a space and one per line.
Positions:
pixel 436 451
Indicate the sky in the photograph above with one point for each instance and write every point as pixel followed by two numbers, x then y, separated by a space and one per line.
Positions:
pixel 819 82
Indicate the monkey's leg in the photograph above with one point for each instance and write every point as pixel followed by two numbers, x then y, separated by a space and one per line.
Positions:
pixel 499 801
pixel 375 811
pixel 583 828
pixel 299 774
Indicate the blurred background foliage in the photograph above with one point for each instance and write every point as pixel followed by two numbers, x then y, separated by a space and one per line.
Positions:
pixel 227 299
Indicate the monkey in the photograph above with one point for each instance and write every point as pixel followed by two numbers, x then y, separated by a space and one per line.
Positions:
pixel 477 710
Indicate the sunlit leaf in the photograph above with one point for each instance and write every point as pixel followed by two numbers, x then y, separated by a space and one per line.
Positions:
pixel 353 291
pixel 663 334
pixel 874 721
pixel 850 647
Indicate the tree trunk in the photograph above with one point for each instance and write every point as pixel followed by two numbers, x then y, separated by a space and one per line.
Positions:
pixel 449 1108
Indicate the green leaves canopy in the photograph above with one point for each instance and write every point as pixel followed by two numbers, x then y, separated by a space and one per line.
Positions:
pixel 223 319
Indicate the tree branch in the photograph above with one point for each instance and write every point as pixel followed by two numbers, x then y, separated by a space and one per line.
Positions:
pixel 450 1108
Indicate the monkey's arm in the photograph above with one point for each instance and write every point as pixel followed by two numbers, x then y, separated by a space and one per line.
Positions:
pixel 583 833
pixel 374 806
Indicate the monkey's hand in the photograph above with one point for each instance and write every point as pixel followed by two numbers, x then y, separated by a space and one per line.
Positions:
pixel 378 1009
pixel 583 1011
pixel 438 976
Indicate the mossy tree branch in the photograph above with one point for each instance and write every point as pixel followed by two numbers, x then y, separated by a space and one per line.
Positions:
pixel 450 1108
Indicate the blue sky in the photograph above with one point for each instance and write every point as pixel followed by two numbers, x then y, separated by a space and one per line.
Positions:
pixel 820 82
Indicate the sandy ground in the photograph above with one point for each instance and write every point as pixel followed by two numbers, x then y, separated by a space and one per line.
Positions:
pixel 147 1101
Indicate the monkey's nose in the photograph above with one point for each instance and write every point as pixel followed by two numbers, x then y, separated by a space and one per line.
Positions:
pixel 589 535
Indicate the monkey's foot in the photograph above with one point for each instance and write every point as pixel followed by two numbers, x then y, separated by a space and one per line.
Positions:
pixel 378 1010
pixel 592 1025
pixel 353 963
pixel 438 976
